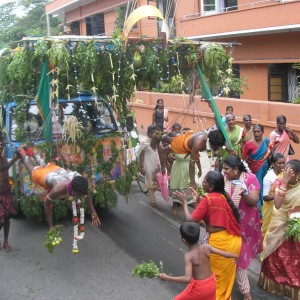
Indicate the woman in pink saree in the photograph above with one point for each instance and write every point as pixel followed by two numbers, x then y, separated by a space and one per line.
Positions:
pixel 280 137
pixel 244 189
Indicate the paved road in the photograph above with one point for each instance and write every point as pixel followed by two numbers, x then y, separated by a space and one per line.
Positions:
pixel 102 270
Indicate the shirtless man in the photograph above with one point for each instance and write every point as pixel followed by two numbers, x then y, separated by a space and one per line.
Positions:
pixel 58 183
pixel 198 274
pixel 191 143
pixel 6 198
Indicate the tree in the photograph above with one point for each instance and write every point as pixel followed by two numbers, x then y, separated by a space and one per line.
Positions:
pixel 14 28
pixel 7 17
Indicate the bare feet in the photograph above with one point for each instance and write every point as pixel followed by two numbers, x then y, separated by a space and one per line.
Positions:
pixel 7 247
pixel 247 296
pixel 153 203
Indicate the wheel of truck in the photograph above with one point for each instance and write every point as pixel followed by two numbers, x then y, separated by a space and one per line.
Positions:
pixel 140 179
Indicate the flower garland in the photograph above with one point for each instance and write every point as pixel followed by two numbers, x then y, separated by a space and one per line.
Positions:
pixel 78 224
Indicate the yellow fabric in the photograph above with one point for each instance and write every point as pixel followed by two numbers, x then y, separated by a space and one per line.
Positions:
pixel 267 210
pixel 224 268
pixel 140 13
pixel 275 235
pixel 179 144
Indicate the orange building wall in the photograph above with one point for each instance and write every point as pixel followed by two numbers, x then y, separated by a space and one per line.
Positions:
pixel 262 112
pixel 109 22
pixel 92 8
pixel 183 9
pixel 287 13
pixel 256 77
pixel 279 48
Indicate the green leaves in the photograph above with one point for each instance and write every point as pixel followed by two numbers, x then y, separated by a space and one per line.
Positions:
pixel 147 270
pixel 53 238
pixel 293 229
pixel 31 207
pixel 59 56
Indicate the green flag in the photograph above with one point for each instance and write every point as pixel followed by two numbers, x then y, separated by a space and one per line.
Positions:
pixel 43 102
pixel 206 94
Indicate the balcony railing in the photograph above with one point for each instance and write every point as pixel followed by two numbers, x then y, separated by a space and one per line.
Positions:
pixel 235 7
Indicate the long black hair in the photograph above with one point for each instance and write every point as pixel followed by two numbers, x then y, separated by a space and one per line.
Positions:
pixel 275 156
pixel 216 179
pixel 295 164
pixel 233 161
pixel 158 100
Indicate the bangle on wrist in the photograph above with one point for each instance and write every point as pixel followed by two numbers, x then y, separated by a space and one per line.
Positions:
pixel 281 193
pixel 283 188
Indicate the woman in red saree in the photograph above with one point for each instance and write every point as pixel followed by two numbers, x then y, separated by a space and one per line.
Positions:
pixel 256 152
pixel 221 218
pixel 281 264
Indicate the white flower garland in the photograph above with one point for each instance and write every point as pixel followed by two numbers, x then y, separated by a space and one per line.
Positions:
pixel 77 236
pixel 246 166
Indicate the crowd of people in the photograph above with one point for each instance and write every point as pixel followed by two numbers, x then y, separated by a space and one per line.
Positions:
pixel 248 196
pixel 249 192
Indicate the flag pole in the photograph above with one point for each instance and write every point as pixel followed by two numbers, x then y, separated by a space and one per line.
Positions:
pixel 207 95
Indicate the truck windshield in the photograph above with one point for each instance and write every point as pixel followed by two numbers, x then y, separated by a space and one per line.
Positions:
pixel 95 117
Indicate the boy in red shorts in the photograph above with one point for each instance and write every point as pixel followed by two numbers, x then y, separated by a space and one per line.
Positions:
pixel 198 274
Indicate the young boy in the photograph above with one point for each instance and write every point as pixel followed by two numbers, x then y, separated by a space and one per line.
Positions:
pixel 198 273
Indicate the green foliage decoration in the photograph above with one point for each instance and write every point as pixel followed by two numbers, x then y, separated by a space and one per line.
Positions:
pixel 31 207
pixel 293 229
pixel 216 59
pixel 147 270
pixel 106 68
pixel 200 190
pixel 60 209
pixel 59 56
pixel 105 195
pixel 53 238
pixel 123 185
pixel 177 85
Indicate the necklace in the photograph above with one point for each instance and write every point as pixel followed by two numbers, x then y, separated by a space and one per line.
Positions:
pixel 78 224
pixel 293 185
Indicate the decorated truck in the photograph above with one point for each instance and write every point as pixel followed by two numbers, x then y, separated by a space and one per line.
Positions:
pixel 64 94
pixel 85 137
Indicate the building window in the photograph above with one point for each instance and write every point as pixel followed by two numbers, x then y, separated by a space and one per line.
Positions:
pixel 217 6
pixel 278 87
pixel 95 25
pixel 75 28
